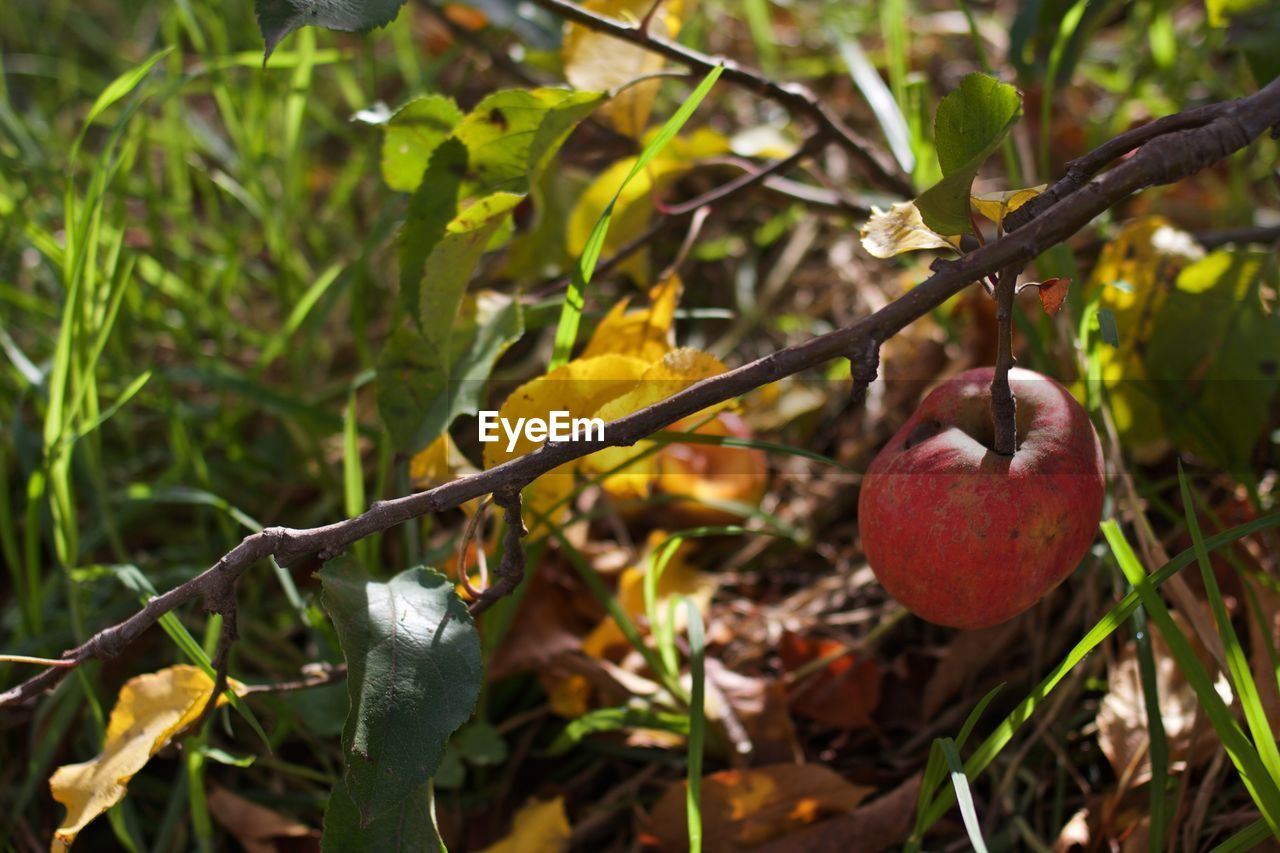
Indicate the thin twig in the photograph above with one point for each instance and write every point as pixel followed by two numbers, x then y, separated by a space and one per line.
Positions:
pixel 511 568
pixel 1168 157
pixel 796 99
pixel 314 675
pixel 677 213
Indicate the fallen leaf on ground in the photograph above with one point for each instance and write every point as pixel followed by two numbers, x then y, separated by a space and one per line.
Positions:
pixel 150 711
pixel 759 706
pixel 742 808
pixel 258 828
pixel 1122 716
pixel 643 332
pixel 540 826
pixel 844 693
pixel 882 824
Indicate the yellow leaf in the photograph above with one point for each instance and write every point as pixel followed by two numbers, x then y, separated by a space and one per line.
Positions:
pixel 599 63
pixel 678 579
pixel 150 710
pixel 580 388
pixel 645 333
pixel 540 826
pixel 1132 272
pixel 634 208
pixel 900 229
pixel 441 462
pixel 996 206
pixel 568 696
pixel 676 371
pixel 708 474
pixel 438 462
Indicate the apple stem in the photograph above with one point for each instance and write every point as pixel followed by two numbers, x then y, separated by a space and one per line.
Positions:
pixel 1003 404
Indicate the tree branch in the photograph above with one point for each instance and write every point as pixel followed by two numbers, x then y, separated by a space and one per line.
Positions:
pixel 1003 405
pixel 1163 159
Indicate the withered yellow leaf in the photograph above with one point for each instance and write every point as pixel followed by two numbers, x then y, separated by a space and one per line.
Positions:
pixel 438 462
pixel 595 62
pixel 899 229
pixel 996 206
pixel 580 388
pixel 709 474
pixel 150 710
pixel 644 333
pixel 441 462
pixel 539 826
pixel 676 371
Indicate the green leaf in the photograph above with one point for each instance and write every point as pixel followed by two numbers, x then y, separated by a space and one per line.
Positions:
pixel 278 18
pixel 451 262
pixel 408 828
pixel 480 744
pixel 1213 356
pixel 411 135
pixel 421 390
pixel 413 676
pixel 433 206
pixel 1222 11
pixel 969 125
pixel 512 135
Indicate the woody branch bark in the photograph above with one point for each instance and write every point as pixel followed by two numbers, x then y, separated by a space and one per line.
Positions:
pixel 1160 159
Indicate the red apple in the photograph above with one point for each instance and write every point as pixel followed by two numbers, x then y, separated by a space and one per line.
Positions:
pixel 965 537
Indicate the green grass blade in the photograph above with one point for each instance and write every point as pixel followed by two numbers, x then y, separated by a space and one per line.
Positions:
pixel 677 437
pixel 135 580
pixel 935 769
pixel 963 795
pixel 123 85
pixel 976 714
pixel 1243 755
pixel 624 622
pixel 1070 21
pixel 1246 839
pixel 697 724
pixel 1158 745
pixel 353 475
pixel 571 311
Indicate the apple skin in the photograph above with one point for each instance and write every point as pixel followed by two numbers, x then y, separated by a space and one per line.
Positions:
pixel 968 538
